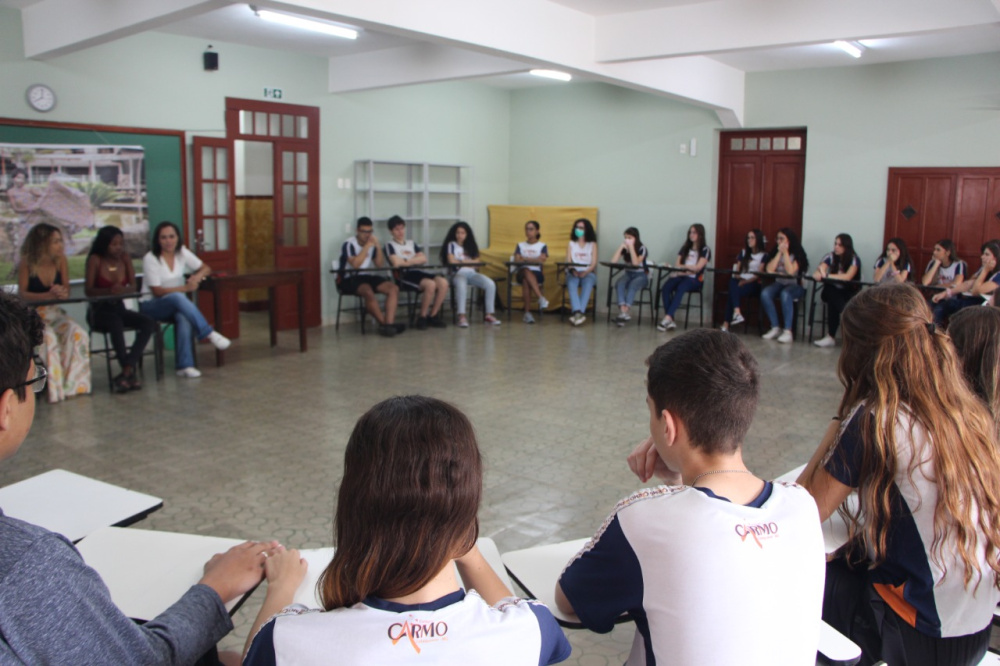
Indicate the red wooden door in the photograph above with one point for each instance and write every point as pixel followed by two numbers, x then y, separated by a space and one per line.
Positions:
pixel 925 205
pixel 761 184
pixel 293 130
pixel 214 239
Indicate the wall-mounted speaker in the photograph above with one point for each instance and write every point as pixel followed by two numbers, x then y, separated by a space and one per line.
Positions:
pixel 211 60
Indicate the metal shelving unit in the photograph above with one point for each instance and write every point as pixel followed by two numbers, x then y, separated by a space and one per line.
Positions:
pixel 430 197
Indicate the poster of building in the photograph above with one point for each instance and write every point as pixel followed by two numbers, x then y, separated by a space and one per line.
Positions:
pixel 77 188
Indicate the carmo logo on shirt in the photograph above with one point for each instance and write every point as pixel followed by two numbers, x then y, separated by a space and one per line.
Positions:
pixel 417 632
pixel 758 533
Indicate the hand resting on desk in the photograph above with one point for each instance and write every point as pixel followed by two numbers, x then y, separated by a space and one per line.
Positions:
pixel 236 571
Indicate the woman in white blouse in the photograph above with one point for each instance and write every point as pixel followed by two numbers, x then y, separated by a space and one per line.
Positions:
pixel 163 294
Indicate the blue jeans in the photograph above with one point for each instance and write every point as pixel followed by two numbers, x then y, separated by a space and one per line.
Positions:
pixel 629 285
pixel 737 293
pixel 673 292
pixel 579 290
pixel 950 306
pixel 176 307
pixel 789 293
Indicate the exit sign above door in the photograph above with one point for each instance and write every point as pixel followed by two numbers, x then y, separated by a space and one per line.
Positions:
pixel 272 93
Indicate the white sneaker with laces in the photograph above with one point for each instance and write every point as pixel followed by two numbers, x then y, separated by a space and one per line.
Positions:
pixel 785 337
pixel 463 321
pixel 825 341
pixel 189 373
pixel 737 319
pixel 662 326
pixel 772 334
pixel 220 341
pixel 580 318
pixel 543 302
pixel 528 319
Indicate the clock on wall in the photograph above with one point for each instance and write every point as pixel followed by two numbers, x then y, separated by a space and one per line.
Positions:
pixel 40 97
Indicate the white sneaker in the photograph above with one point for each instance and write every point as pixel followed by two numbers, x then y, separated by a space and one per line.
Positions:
pixel 825 341
pixel 772 334
pixel 543 302
pixel 785 337
pixel 662 326
pixel 580 318
pixel 463 321
pixel 220 341
pixel 737 319
pixel 528 319
pixel 189 373
pixel 625 316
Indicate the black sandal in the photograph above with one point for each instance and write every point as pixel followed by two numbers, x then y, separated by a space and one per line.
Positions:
pixel 133 383
pixel 121 384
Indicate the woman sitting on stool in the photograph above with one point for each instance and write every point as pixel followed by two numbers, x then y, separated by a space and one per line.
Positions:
pixel 164 299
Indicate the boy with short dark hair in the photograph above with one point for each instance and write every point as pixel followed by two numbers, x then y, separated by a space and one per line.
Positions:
pixel 408 256
pixel 724 567
pixel 360 252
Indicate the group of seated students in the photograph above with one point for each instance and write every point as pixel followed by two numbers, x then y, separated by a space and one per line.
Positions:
pixel 718 566
pixel 43 275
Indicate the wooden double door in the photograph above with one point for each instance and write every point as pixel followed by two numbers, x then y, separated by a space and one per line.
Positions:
pixel 926 205
pixel 761 186
pixel 293 131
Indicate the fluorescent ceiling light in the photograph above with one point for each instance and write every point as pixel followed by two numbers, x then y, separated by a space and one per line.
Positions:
pixel 552 74
pixel 306 24
pixel 854 49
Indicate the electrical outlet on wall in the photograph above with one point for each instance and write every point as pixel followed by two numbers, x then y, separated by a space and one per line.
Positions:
pixel 684 149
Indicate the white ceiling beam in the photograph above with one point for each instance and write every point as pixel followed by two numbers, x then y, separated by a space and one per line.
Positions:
pixel 537 34
pixel 57 27
pixel 414 64
pixel 734 25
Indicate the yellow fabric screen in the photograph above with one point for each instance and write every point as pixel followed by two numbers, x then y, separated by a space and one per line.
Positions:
pixel 507 230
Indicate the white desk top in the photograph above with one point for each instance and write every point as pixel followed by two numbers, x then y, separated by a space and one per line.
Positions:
pixel 537 570
pixel 74 505
pixel 147 571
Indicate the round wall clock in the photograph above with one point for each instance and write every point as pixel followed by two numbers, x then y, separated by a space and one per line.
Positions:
pixel 40 97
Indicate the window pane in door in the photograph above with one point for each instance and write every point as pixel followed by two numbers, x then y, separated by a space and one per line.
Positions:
pixel 287 166
pixel 303 127
pixel 208 198
pixel 303 235
pixel 222 190
pixel 302 167
pixel 221 163
pixel 288 199
pixel 288 231
pixel 208 235
pixel 246 122
pixel 222 233
pixel 302 200
pixel 260 123
pixel 288 126
pixel 207 163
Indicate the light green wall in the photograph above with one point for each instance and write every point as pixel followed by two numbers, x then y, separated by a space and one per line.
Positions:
pixel 156 80
pixel 599 145
pixel 863 120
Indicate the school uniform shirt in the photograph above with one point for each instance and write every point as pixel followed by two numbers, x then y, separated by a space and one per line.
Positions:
pixel 405 251
pixel 706 581
pixel 947 275
pixel 643 259
pixel 909 580
pixel 581 255
pixel 352 248
pixel 892 272
pixel 156 272
pixel 533 251
pixel 829 260
pixel 694 256
pixel 753 266
pixel 457 251
pixel 459 628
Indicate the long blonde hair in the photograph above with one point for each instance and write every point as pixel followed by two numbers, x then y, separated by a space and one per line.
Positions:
pixel 894 360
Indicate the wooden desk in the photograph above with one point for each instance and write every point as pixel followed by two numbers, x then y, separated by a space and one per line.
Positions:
pixel 537 570
pixel 74 505
pixel 220 282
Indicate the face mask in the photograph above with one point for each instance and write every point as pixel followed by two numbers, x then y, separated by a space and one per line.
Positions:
pixel 578 233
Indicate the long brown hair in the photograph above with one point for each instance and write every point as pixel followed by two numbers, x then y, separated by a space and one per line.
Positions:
pixel 976 334
pixel 895 361
pixel 407 503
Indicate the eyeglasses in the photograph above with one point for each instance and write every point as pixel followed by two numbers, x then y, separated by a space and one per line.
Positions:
pixel 37 384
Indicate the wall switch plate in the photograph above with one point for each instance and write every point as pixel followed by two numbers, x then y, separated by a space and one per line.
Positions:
pixel 684 149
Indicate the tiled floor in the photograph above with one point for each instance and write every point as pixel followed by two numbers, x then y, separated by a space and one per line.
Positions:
pixel 254 449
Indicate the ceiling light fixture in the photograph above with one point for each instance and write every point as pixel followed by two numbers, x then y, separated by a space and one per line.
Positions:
pixel 854 49
pixel 552 74
pixel 306 24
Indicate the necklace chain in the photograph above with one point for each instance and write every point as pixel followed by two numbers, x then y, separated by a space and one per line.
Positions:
pixel 721 471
